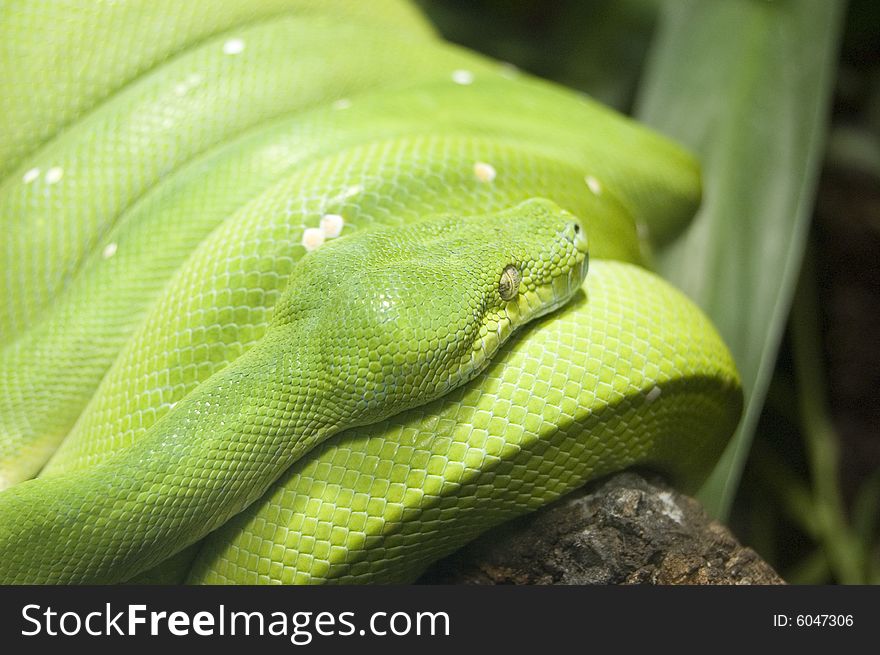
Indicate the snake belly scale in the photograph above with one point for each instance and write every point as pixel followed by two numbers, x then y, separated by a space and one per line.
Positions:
pixel 263 274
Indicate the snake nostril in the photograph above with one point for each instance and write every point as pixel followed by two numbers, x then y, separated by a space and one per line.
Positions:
pixel 579 236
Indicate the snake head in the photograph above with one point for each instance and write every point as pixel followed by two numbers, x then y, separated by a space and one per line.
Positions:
pixel 406 314
pixel 536 262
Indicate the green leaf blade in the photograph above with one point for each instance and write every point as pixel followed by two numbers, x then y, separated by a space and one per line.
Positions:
pixel 746 84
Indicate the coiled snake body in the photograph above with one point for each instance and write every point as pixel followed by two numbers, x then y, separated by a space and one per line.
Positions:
pixel 164 168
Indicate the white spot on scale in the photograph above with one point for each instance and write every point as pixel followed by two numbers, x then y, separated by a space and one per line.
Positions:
pixel 652 395
pixel 31 175
pixel 344 195
pixel 313 238
pixel 331 225
pixel 352 191
pixel 508 70
pixel 109 250
pixel 484 172
pixel 342 103
pixel 594 184
pixel 233 46
pixel 192 80
pixel 54 175
pixel 463 77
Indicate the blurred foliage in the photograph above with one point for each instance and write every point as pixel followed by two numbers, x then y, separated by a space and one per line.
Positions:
pixel 747 85
pixel 597 46
pixel 726 79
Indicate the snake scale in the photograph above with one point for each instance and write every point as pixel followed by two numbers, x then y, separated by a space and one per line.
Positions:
pixel 264 265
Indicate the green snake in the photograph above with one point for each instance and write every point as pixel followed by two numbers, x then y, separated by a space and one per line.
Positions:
pixel 233 230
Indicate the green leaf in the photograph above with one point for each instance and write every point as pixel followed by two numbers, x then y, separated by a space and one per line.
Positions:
pixel 746 84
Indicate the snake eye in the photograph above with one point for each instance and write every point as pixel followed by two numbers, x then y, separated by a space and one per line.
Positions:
pixel 508 285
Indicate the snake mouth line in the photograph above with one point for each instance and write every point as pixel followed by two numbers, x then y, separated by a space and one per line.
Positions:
pixel 553 296
pixel 542 301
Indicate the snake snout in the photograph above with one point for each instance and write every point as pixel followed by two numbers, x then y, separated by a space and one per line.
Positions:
pixel 579 236
pixel 574 232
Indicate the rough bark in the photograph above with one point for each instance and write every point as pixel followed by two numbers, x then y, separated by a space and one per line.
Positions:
pixel 623 530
